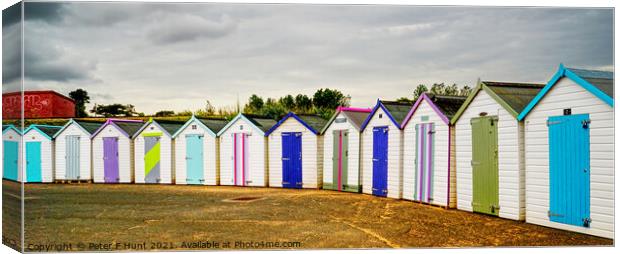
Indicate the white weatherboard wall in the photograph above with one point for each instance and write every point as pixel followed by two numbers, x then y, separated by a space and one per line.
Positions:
pixel 165 159
pixel 441 157
pixel 311 157
pixel 47 149
pixel 510 158
pixel 395 145
pixel 567 94
pixel 125 155
pixel 85 152
pixel 354 172
pixel 257 157
pixel 209 146
pixel 12 135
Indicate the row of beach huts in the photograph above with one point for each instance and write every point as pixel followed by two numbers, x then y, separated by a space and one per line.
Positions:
pixel 534 152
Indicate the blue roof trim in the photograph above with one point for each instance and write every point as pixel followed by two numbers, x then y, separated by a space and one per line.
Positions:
pixel 565 72
pixel 176 134
pixel 35 127
pixel 12 127
pixel 372 113
pixel 287 116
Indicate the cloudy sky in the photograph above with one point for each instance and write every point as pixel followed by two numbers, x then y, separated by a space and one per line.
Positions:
pixel 177 56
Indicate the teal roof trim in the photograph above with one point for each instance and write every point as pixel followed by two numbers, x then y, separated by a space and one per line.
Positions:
pixel 565 72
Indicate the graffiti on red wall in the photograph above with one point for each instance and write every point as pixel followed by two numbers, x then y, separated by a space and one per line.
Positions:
pixel 37 105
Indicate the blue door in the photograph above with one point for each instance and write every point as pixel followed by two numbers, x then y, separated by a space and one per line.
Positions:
pixel 10 160
pixel 291 160
pixel 569 169
pixel 194 159
pixel 379 161
pixel 33 162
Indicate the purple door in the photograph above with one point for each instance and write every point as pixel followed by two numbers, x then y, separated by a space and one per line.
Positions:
pixel 110 160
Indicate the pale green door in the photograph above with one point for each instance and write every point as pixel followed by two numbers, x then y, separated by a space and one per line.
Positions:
pixel 485 170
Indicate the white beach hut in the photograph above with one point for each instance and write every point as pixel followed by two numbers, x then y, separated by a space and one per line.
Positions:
pixel 39 152
pixel 342 148
pixel 569 153
pixel 73 149
pixel 489 149
pixel 154 152
pixel 243 151
pixel 429 173
pixel 11 153
pixel 382 146
pixel 296 152
pixel 197 151
pixel 113 151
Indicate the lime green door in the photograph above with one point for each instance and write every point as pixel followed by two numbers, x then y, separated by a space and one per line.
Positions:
pixel 485 170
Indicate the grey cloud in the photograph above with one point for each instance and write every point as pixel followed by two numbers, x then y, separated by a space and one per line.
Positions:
pixel 180 28
pixel 44 62
pixel 41 11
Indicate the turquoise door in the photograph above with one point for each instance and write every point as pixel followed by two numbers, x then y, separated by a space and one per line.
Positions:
pixel 569 169
pixel 33 162
pixel 10 160
pixel 194 159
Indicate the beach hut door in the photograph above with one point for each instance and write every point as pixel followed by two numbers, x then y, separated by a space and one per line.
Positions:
pixel 485 165
pixel 240 159
pixel 194 159
pixel 110 160
pixel 291 160
pixel 340 162
pixel 72 157
pixel 152 156
pixel 569 169
pixel 424 162
pixel 379 161
pixel 33 162
pixel 10 159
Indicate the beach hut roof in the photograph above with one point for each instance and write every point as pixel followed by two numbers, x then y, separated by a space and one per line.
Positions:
pixel 396 111
pixel 88 126
pixel 314 123
pixel 8 127
pixel 128 127
pixel 599 83
pixel 445 106
pixel 262 124
pixel 48 131
pixel 356 116
pixel 513 97
pixel 213 125
pixel 170 127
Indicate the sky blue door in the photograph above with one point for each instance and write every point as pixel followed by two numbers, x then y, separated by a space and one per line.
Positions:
pixel 569 169
pixel 10 160
pixel 379 161
pixel 33 162
pixel 194 159
pixel 291 160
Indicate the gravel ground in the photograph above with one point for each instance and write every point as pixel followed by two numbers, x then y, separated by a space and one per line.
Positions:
pixel 160 217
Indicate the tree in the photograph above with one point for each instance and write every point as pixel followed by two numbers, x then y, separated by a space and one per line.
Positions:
pixel 465 91
pixel 81 98
pixel 254 105
pixel 114 110
pixel 186 112
pixel 303 103
pixel 273 109
pixel 209 108
pixel 438 88
pixel 327 98
pixel 419 90
pixel 451 90
pixel 164 113
pixel 288 102
pixel 404 100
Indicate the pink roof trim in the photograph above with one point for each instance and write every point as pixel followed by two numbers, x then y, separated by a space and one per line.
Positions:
pixel 351 109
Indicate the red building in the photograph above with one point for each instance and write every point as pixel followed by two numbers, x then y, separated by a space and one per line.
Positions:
pixel 37 104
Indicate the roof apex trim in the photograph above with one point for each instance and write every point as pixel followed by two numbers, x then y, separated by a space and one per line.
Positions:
pixel 424 97
pixel 287 116
pixel 560 73
pixel 235 119
pixel 189 121
pixel 374 110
